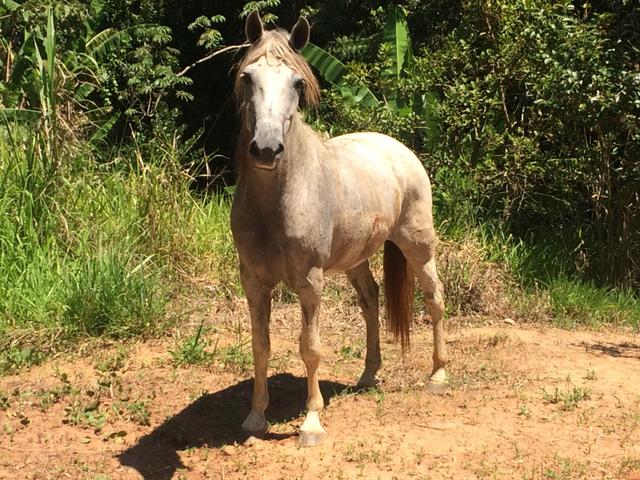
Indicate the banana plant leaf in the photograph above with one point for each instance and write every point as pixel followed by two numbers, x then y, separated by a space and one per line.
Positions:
pixel 19 115
pixel 396 37
pixel 334 71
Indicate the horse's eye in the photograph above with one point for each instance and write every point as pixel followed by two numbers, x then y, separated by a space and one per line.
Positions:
pixel 246 78
pixel 299 85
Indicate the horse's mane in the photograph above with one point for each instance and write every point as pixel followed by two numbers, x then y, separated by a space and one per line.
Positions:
pixel 275 45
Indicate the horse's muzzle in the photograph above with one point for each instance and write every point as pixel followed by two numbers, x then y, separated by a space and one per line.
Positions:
pixel 265 158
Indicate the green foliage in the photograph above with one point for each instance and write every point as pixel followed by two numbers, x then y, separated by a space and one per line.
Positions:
pixel 112 294
pixel 211 38
pixel 335 72
pixel 192 351
pixel 112 363
pixel 236 357
pixel 261 6
pixel 526 113
pixel 575 303
pixel 397 42
pixel 19 357
pixel 93 249
pixel 137 412
pixel 539 103
pixel 567 399
pixel 85 415
pixel 348 352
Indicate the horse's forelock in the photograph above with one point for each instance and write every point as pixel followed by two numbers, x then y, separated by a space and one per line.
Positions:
pixel 275 44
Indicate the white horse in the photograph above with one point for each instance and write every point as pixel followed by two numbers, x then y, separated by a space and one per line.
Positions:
pixel 306 206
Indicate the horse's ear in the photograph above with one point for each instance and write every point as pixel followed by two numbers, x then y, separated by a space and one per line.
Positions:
pixel 253 27
pixel 299 34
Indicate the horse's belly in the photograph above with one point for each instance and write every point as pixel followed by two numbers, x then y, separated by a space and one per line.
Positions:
pixel 354 242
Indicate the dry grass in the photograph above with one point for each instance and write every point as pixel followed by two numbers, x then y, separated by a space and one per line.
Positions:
pixel 472 284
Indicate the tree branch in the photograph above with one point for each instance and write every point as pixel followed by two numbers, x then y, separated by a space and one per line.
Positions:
pixel 209 57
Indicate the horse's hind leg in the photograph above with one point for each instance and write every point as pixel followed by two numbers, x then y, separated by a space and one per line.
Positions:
pixel 420 255
pixel 432 288
pixel 367 290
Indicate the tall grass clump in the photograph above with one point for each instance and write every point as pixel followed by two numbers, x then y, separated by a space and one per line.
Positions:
pixel 99 248
pixel 94 240
pixel 90 247
pixel 488 272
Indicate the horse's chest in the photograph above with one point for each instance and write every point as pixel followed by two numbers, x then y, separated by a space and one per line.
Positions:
pixel 278 246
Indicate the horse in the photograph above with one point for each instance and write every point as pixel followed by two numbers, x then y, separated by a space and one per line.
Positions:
pixel 306 206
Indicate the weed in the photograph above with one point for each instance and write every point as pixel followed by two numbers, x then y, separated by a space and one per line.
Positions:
pixel 16 358
pixel 137 412
pixel 85 415
pixel 379 396
pixel 280 363
pixel 114 294
pixel 193 350
pixel 590 375
pixel 569 399
pixel 235 357
pixel 347 352
pixel 54 395
pixel 363 454
pixel 577 303
pixel 94 248
pixel 113 362
pixel 564 469
pixel 628 466
pixel 497 338
pixel 4 401
pixel 524 411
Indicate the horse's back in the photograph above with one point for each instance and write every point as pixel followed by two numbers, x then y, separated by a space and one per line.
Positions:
pixel 379 163
pixel 380 154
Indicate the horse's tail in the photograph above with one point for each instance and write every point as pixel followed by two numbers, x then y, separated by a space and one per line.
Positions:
pixel 398 293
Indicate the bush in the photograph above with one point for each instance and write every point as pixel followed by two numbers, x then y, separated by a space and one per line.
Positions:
pixel 531 111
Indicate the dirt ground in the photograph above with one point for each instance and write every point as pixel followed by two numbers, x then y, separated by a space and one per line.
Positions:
pixel 526 402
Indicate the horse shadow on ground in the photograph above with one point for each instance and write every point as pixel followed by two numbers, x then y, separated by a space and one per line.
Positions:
pixel 214 420
pixel 618 350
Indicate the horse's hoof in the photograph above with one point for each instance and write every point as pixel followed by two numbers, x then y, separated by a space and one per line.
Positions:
pixel 437 388
pixel 311 439
pixel 253 440
pixel 366 384
pixel 255 424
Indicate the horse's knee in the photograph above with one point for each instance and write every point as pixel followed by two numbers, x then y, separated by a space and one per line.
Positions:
pixel 310 352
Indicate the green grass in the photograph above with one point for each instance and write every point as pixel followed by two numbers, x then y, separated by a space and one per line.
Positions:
pixel 90 247
pixel 540 281
pixel 567 399
pixel 193 350
pixel 577 303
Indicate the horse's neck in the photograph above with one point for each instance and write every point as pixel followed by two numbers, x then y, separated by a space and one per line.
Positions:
pixel 297 181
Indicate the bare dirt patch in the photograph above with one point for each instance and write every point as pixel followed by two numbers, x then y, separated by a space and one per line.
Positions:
pixel 525 402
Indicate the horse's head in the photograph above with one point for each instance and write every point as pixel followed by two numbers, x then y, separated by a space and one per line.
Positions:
pixel 272 80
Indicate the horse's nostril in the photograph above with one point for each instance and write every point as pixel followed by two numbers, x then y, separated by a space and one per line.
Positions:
pixel 253 149
pixel 279 150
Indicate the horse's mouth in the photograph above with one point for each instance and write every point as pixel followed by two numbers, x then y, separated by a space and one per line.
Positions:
pixel 266 165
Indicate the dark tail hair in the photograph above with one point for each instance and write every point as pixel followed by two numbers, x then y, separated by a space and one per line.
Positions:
pixel 398 293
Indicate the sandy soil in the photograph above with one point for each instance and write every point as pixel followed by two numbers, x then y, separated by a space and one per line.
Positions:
pixel 525 402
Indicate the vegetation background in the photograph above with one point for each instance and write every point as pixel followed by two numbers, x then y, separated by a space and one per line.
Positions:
pixel 117 127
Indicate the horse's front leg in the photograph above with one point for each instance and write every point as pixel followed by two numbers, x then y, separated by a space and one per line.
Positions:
pixel 310 291
pixel 259 301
